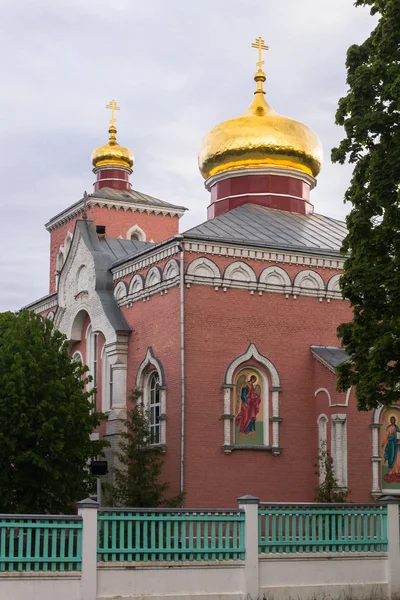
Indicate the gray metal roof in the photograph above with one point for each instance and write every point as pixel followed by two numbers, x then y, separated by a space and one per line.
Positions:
pixel 330 356
pixel 132 196
pixel 269 227
pixel 118 248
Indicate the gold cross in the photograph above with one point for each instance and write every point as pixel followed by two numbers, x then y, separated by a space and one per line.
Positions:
pixel 113 106
pixel 260 46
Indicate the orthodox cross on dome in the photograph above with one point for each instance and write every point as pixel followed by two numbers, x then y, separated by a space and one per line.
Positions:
pixel 113 106
pixel 260 45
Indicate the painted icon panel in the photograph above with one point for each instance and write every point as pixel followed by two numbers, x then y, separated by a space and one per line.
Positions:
pixel 249 408
pixel 390 447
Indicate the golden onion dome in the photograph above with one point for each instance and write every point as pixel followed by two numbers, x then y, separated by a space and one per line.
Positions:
pixel 112 153
pixel 260 138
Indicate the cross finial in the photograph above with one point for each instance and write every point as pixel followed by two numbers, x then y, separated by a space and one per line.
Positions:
pixel 260 45
pixel 113 106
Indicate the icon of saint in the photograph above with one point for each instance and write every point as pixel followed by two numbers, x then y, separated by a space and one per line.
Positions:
pixel 391 453
pixel 250 402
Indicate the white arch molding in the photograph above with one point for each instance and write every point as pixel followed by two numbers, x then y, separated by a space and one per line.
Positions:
pixel 203 271
pixel 275 389
pixel 137 232
pixel 146 368
pixel 274 279
pixel 239 274
pixel 324 391
pixel 309 283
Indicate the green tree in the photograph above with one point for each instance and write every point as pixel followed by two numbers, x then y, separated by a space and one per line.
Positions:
pixel 370 114
pixel 136 479
pixel 329 489
pixel 45 419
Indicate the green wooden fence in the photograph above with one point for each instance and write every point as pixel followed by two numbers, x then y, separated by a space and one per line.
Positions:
pixel 322 528
pixel 170 535
pixel 40 543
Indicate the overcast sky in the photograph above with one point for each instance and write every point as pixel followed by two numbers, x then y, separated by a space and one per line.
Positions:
pixel 176 68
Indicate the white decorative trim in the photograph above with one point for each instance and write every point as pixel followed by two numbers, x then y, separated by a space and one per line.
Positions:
pixel 142 379
pixel 309 283
pixel 203 271
pixel 43 304
pixel 120 291
pixel 78 354
pixel 150 359
pixel 326 392
pixel 153 277
pixel 171 270
pixel 339 447
pixel 344 404
pixel 239 274
pixel 322 423
pixel 138 231
pixel 50 315
pixel 348 393
pixel 77 209
pixel 252 353
pixel 274 279
pixel 136 285
pixel 269 193
pixel 279 171
pixel 333 287
pixel 145 260
pixel 264 254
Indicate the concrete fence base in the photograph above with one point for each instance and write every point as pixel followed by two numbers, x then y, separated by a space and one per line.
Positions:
pixel 303 576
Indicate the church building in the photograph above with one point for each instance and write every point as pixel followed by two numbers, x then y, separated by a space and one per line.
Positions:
pixel 228 329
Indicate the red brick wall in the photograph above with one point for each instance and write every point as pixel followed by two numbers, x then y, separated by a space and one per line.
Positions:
pixel 155 323
pixel 220 326
pixel 117 222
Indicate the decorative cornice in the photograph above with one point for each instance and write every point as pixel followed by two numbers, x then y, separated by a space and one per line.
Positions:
pixel 43 304
pixel 77 209
pixel 145 260
pixel 269 255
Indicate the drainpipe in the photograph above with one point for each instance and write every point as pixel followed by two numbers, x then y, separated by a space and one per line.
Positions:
pixel 182 343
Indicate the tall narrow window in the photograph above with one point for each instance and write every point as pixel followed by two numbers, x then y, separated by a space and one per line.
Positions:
pixel 154 406
pixel 94 372
pixel 110 384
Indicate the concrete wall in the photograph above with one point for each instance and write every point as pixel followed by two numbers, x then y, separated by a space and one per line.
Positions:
pixel 306 576
pixel 40 586
pixel 183 580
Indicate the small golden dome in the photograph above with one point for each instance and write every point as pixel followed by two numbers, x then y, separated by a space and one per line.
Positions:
pixel 260 138
pixel 112 153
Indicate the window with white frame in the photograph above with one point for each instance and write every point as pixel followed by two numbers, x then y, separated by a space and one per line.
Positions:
pixel 107 380
pixel 91 360
pixel 154 406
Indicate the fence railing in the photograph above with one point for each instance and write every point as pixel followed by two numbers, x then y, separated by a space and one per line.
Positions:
pixel 171 535
pixel 322 528
pixel 40 543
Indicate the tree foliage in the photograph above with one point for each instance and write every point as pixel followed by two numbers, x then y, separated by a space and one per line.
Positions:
pixel 370 114
pixel 329 489
pixel 136 480
pixel 45 419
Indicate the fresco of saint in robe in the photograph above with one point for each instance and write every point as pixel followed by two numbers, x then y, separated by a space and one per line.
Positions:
pixel 249 409
pixel 390 433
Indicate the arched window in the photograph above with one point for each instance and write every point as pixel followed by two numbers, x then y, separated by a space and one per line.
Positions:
pixel 107 382
pixel 251 394
pixel 154 406
pixel 91 360
pixel 136 233
pixel 251 408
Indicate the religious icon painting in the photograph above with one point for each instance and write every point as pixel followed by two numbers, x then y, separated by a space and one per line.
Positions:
pixel 249 408
pixel 390 448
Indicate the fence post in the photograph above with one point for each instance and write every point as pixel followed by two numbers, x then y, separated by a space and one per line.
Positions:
pixel 250 505
pixel 393 537
pixel 88 511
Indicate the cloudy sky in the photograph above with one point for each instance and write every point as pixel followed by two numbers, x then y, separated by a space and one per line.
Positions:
pixel 176 68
